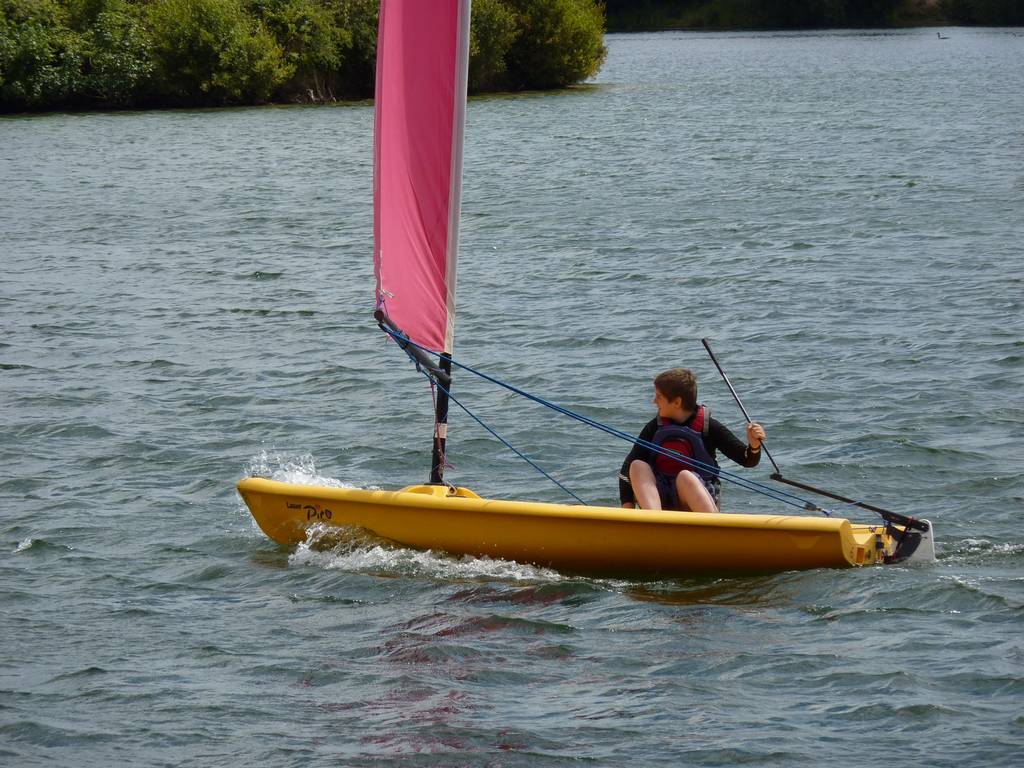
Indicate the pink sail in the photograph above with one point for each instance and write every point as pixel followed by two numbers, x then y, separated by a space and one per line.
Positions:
pixel 422 61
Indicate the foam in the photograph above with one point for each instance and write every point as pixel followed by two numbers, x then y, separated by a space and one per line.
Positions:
pixel 299 469
pixel 360 552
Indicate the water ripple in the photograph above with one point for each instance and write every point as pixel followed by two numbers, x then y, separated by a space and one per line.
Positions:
pixel 186 298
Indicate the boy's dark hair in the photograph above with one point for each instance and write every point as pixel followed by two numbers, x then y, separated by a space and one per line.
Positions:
pixel 678 382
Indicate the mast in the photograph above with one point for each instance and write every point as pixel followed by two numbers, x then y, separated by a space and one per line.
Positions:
pixel 419 124
pixel 437 458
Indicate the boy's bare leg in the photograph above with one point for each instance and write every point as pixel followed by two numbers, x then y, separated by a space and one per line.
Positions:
pixel 691 492
pixel 641 477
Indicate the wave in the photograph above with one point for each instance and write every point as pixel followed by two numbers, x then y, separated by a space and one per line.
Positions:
pixel 359 551
pixel 983 551
pixel 40 545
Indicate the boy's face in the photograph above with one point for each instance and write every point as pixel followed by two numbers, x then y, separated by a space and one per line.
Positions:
pixel 669 409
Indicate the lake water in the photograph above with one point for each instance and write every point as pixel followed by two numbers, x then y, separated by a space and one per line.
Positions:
pixel 185 298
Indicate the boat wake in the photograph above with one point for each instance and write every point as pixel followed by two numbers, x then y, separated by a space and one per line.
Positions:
pixel 983 551
pixel 359 551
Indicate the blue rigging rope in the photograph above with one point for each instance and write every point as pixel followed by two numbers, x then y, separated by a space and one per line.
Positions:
pixel 774 493
pixel 507 444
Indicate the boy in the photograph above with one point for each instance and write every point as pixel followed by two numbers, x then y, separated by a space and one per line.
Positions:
pixel 657 481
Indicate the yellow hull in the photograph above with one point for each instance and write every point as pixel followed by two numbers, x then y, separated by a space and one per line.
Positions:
pixel 600 540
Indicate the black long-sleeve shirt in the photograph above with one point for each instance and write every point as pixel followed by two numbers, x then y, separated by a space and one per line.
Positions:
pixel 718 438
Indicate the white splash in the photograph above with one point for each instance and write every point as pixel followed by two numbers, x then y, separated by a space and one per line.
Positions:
pixel 297 468
pixel 358 553
pixel 22 546
pixel 346 549
pixel 985 546
pixel 290 468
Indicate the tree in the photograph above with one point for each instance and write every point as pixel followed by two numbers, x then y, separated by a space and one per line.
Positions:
pixel 118 56
pixel 560 42
pixel 359 65
pixel 313 41
pixel 213 52
pixel 40 56
pixel 492 32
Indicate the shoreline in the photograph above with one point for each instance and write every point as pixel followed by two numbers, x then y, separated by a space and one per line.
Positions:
pixel 484 94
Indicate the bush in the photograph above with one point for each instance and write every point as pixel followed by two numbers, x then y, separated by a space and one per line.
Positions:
pixel 119 53
pixel 359 65
pixel 40 56
pixel 313 42
pixel 492 30
pixel 560 42
pixel 213 52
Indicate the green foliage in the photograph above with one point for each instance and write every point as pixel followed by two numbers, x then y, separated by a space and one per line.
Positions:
pixel 560 42
pixel 313 42
pixel 40 56
pixel 82 14
pixel 493 29
pixel 213 52
pixel 358 68
pixel 119 54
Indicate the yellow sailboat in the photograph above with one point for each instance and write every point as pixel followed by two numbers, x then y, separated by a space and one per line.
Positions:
pixel 571 538
pixel 422 62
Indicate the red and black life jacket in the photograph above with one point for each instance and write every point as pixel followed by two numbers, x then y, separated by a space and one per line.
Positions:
pixel 687 441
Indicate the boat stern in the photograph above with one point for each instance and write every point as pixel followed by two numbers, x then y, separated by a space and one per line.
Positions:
pixel 915 546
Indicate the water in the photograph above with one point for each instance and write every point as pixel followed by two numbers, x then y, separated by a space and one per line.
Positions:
pixel 185 298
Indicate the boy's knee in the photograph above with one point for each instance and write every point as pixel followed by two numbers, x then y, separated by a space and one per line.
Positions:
pixel 639 465
pixel 688 477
